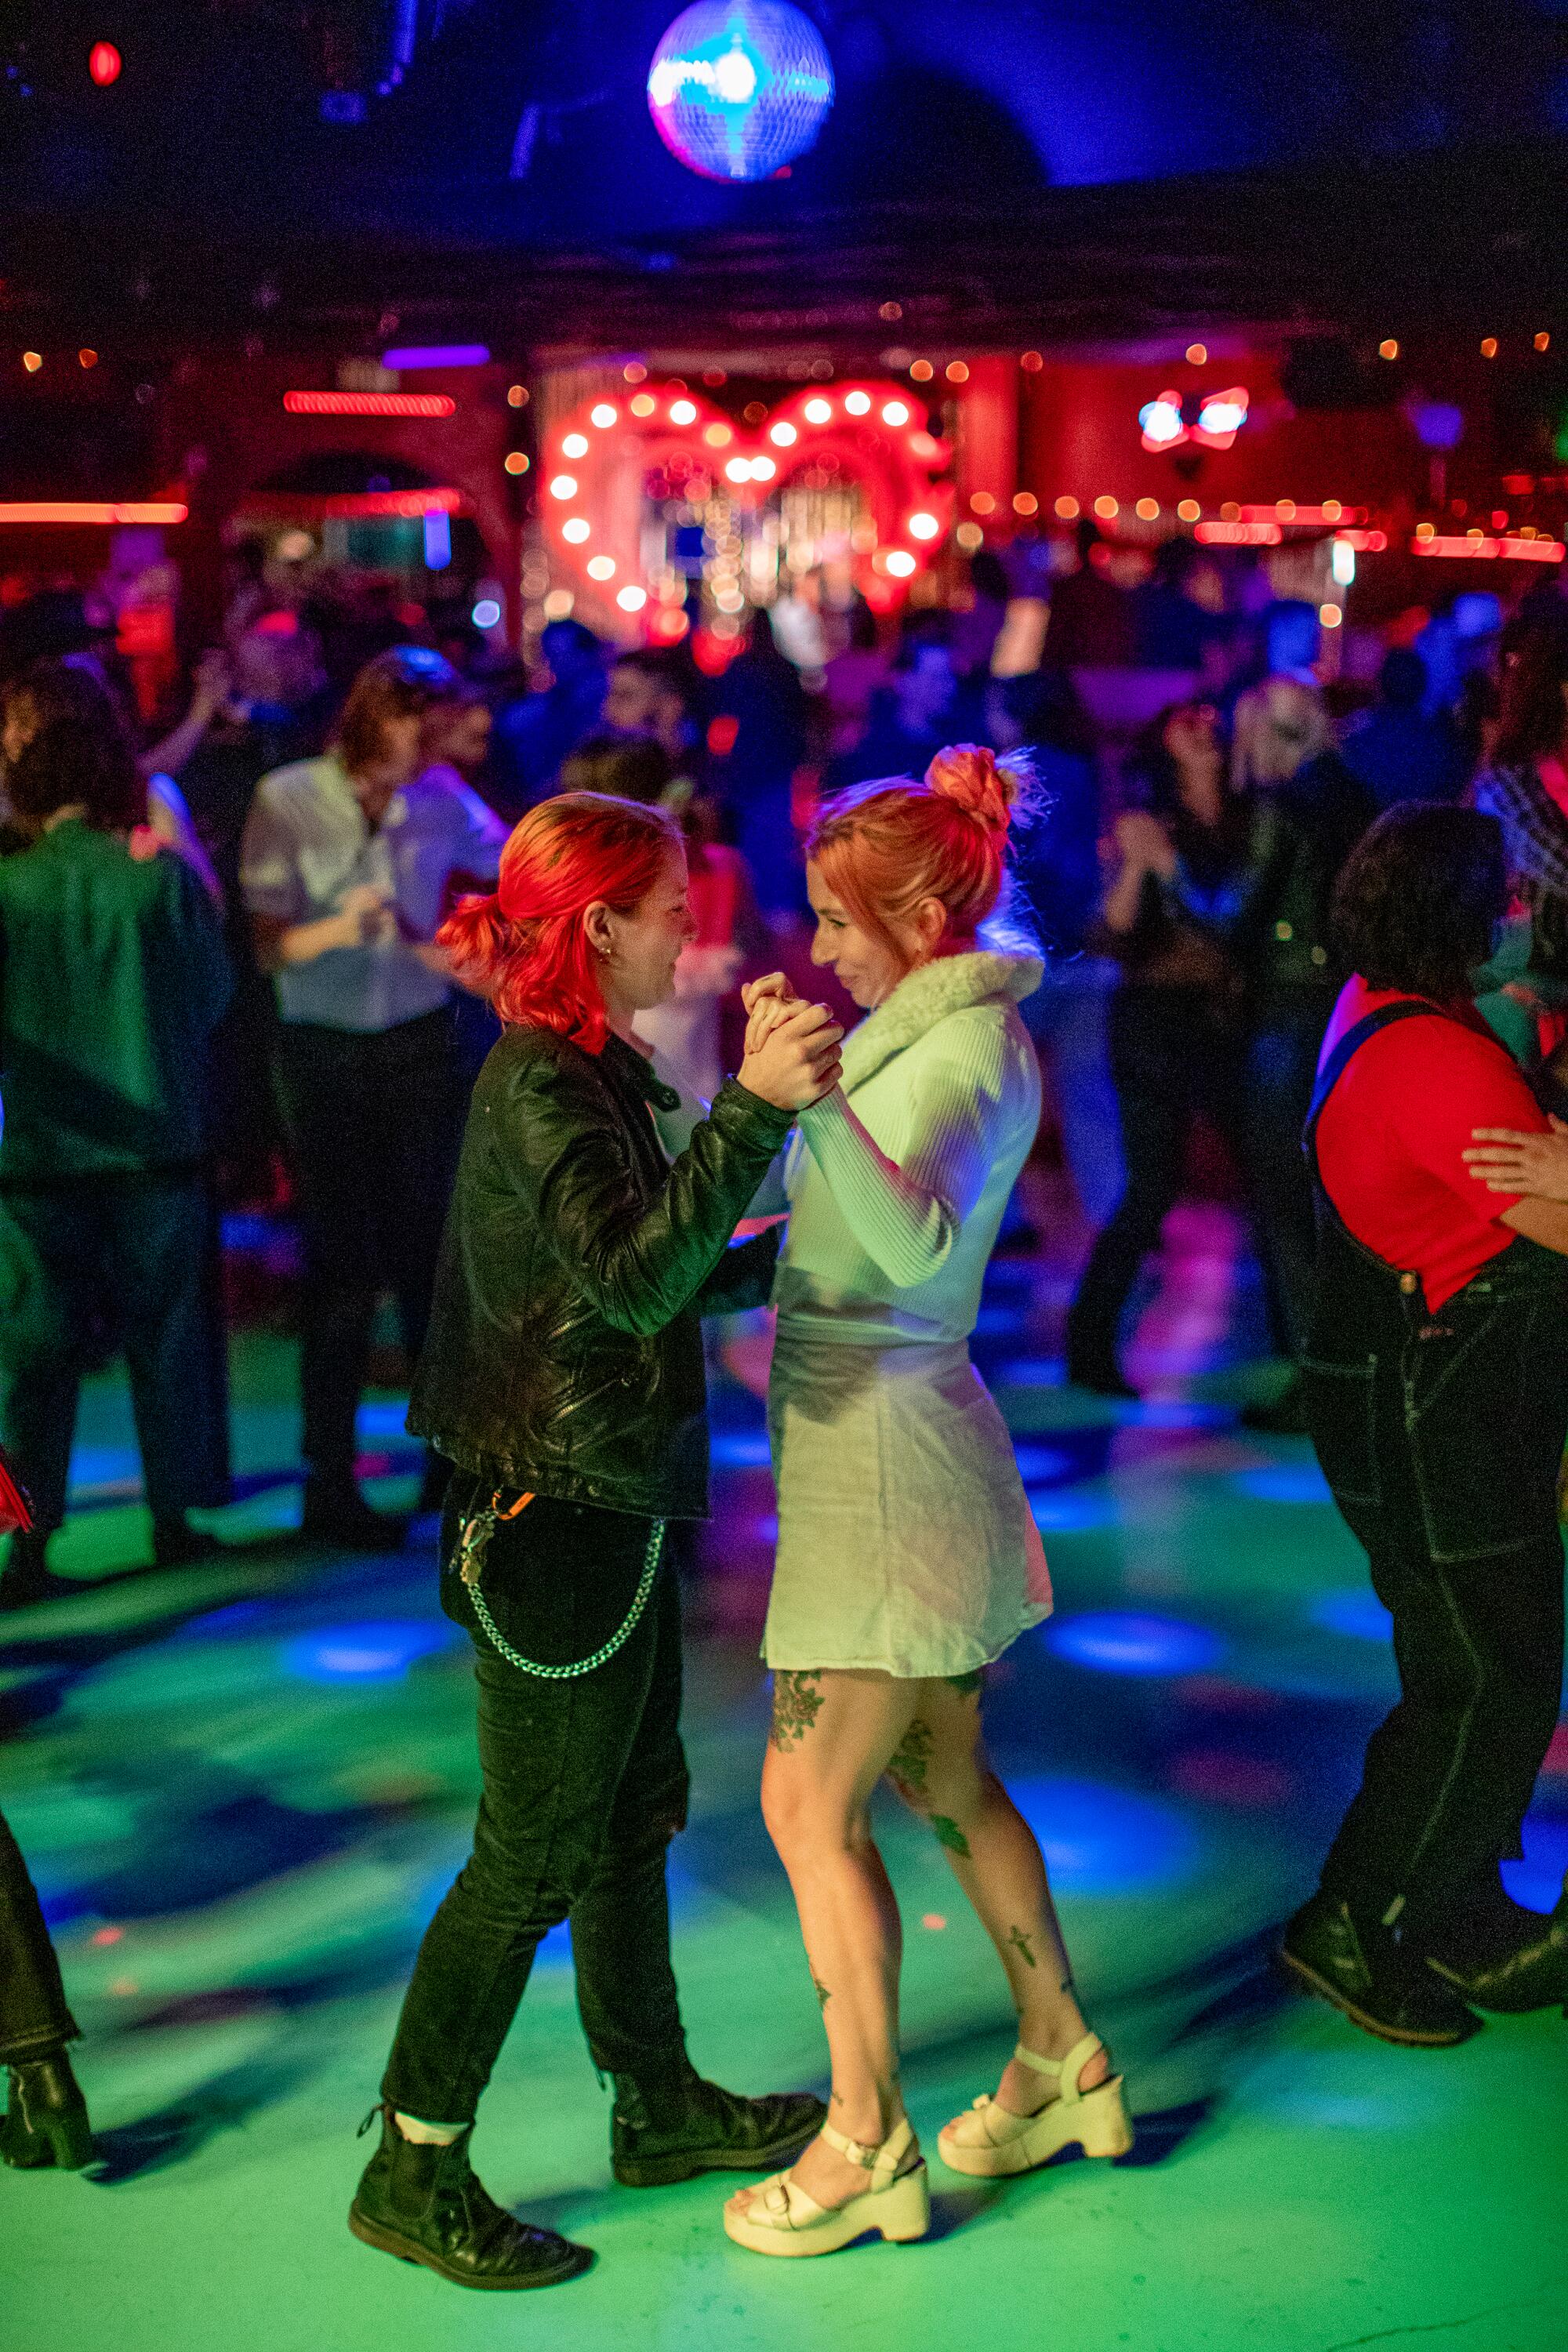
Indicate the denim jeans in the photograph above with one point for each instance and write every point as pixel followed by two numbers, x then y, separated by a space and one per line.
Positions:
pixel 34 2019
pixel 585 1785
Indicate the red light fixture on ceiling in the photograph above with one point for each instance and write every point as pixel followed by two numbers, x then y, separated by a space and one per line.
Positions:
pixel 104 63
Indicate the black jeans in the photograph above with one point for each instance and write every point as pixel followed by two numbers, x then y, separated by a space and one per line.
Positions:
pixel 1286 1033
pixel 585 1785
pixel 1171 1061
pixel 137 1254
pixel 1436 1452
pixel 373 1123
pixel 34 2019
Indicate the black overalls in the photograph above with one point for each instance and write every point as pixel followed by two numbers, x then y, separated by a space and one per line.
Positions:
pixel 1441 1436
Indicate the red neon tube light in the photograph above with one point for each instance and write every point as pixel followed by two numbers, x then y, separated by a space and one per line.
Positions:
pixel 369 403
pixel 88 510
pixel 1287 510
pixel 1239 534
pixel 1521 551
pixel 350 505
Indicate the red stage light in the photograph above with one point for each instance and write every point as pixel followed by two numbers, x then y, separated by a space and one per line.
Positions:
pixel 369 403
pixel 1521 551
pixel 103 63
pixel 1238 534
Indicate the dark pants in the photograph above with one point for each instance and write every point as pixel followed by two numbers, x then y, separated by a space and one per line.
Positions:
pixel 136 1256
pixel 585 1785
pixel 374 1121
pixel 1286 1033
pixel 1442 1454
pixel 34 2019
pixel 1172 1062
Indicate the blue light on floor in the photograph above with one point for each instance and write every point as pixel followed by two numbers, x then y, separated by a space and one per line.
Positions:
pixel 1355 1609
pixel 1283 1482
pixel 1175 1412
pixel 1043 1465
pixel 740 1449
pixel 382 1417
pixel 1056 1512
pixel 1117 1643
pixel 1029 1372
pixel 374 1651
pixel 1537 1881
pixel 1102 1840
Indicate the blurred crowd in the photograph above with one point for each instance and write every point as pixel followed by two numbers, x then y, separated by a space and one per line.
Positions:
pixel 220 987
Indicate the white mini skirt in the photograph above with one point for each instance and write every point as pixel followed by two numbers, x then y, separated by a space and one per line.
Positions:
pixel 906 1543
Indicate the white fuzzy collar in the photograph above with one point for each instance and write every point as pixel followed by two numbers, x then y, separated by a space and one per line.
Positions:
pixel 927 995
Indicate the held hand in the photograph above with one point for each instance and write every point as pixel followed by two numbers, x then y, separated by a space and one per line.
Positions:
pixel 366 917
pixel 1515 1162
pixel 1144 841
pixel 797 1062
pixel 772 984
pixel 766 1000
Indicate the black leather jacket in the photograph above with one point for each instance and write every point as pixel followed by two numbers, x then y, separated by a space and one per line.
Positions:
pixel 564 1353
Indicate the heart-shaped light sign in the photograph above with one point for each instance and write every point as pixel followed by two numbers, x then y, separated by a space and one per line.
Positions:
pixel 645 492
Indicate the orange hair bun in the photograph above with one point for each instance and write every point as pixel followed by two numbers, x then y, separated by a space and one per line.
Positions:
pixel 968 775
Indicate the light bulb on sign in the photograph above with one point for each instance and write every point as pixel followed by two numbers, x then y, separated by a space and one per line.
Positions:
pixel 601 567
pixel 576 444
pixel 564 486
pixel 900 563
pixel 603 414
pixel 857 403
pixel 632 600
pixel 763 469
pixel 782 437
pixel 895 411
pixel 924 526
pixel 817 412
pixel 574 530
pixel 739 469
pixel 683 412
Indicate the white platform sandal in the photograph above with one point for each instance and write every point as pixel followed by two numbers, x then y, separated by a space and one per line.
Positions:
pixel 990 2140
pixel 780 2218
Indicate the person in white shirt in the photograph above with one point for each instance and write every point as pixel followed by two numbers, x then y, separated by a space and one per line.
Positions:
pixel 344 869
pixel 908 1557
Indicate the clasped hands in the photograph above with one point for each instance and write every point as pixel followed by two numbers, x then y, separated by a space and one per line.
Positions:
pixel 791 1057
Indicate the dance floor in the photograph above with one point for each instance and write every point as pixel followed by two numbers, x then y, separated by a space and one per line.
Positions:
pixel 244 1786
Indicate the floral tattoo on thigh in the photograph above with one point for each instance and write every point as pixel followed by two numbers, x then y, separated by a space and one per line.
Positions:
pixel 798 1702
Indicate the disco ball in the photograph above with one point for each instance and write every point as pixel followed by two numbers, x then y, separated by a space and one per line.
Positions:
pixel 737 88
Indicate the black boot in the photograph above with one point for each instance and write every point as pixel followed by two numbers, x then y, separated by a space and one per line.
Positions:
pixel 176 1543
pixel 28 1577
pixel 336 1513
pixel 1507 1958
pixel 1367 1971
pixel 45 2121
pixel 426 2204
pixel 671 2131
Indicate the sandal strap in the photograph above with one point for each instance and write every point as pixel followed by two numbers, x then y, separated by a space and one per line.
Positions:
pixel 1066 2070
pixel 869 2158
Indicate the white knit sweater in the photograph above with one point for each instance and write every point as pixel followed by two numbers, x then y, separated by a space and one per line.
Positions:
pixel 897 1181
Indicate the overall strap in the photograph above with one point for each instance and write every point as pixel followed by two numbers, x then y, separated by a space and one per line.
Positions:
pixel 1350 1045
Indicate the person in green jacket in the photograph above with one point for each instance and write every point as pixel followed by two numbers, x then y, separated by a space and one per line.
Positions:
pixel 113 976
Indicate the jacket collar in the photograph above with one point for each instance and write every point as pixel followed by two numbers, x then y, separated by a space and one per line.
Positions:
pixel 639 1071
pixel 927 994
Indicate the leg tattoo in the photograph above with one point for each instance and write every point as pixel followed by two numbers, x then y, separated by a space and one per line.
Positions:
pixel 798 1702
pixel 1021 1943
pixel 823 1995
pixel 907 1768
pixel 948 1834
pixel 966 1684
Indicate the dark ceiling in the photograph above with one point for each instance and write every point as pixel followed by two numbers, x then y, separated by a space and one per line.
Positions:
pixel 1007 172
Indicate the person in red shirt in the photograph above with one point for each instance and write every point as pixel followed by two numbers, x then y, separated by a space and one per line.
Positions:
pixel 1436 1388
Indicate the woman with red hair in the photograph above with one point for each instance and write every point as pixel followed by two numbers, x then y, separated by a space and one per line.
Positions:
pixel 908 1559
pixel 562 1378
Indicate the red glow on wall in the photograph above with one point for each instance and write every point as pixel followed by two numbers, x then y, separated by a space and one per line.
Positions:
pixel 84 511
pixel 103 63
pixel 369 403
pixel 1287 510
pixel 300 506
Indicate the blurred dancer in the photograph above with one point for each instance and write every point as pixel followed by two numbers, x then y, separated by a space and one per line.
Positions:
pixel 345 866
pixel 564 1378
pixel 1435 1384
pixel 112 977
pixel 908 1559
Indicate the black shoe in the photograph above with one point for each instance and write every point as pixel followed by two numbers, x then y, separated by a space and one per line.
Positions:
pixel 1369 1974
pixel 45 2121
pixel 656 2140
pixel 341 1516
pixel 426 2204
pixel 176 1543
pixel 1101 1376
pixel 1515 1961
pixel 27 1578
pixel 1284 1417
